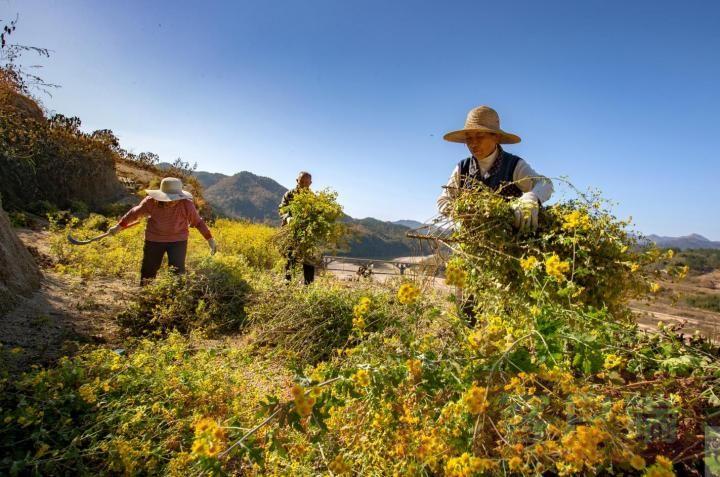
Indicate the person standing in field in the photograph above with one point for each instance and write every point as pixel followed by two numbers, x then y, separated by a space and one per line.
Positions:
pixel 170 211
pixel 304 180
pixel 489 164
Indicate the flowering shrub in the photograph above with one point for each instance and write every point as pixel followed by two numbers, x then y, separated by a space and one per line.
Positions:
pixel 121 255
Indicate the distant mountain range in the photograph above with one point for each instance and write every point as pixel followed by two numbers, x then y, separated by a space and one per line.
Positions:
pixel 683 243
pixel 248 196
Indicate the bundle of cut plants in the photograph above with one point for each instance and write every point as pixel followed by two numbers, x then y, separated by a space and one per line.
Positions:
pixel 313 225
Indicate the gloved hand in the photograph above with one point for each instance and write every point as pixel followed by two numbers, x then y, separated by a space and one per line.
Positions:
pixel 213 246
pixel 114 229
pixel 526 208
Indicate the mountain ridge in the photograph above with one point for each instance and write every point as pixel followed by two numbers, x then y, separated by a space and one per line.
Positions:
pixel 246 195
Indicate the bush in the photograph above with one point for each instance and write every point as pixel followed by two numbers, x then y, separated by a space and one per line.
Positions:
pixel 18 219
pixel 211 298
pixel 115 209
pixel 98 222
pixel 42 208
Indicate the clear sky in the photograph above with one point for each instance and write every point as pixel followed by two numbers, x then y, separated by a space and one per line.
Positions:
pixel 618 95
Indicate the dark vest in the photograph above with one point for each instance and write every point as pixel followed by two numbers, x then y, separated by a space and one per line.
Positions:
pixel 500 175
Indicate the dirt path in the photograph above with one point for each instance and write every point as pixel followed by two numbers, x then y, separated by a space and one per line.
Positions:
pixel 62 315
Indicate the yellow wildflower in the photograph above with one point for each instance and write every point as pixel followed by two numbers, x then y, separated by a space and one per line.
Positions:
pixel 670 254
pixel 454 275
pixel 303 402
pixel 655 287
pixel 556 268
pixel 515 463
pixel 476 399
pixel 634 267
pixel 529 263
pixel 582 446
pixel 359 323
pixel 415 368
pixel 42 450
pixel 361 378
pixel 637 462
pixel 663 467
pixel 209 438
pixel 612 361
pixel 339 466
pixel 408 293
pixel 467 465
pixel 576 220
pixel 87 393
pixel 362 308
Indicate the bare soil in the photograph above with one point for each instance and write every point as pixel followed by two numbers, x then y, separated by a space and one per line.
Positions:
pixel 62 315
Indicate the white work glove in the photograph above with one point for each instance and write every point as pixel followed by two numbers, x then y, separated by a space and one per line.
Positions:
pixel 213 246
pixel 114 229
pixel 526 212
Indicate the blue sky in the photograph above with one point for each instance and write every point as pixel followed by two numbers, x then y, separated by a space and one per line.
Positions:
pixel 621 96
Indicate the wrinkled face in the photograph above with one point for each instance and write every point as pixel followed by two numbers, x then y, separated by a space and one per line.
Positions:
pixel 305 181
pixel 482 144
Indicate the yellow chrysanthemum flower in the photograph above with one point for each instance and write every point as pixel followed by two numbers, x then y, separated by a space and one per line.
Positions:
pixel 408 293
pixel 529 263
pixel 361 378
pixel 612 361
pixel 339 466
pixel 556 268
pixel 637 462
pixel 576 220
pixel 476 399
pixel 415 368
pixel 454 276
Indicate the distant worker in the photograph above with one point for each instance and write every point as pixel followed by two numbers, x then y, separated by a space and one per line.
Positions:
pixel 490 164
pixel 170 210
pixel 304 181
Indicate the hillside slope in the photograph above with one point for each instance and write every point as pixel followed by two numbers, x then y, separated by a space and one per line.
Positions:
pixel 19 274
pixel 243 195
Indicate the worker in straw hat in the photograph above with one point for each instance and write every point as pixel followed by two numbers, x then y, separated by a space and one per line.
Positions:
pixel 491 165
pixel 170 210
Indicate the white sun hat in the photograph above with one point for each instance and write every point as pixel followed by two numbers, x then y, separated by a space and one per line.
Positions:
pixel 171 189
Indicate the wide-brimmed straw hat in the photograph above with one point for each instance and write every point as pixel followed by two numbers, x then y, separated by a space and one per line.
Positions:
pixel 482 119
pixel 171 188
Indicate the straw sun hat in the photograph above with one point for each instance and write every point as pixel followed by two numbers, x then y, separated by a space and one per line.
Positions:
pixel 482 119
pixel 171 189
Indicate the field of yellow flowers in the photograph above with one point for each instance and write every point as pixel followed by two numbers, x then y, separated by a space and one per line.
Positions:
pixel 533 366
